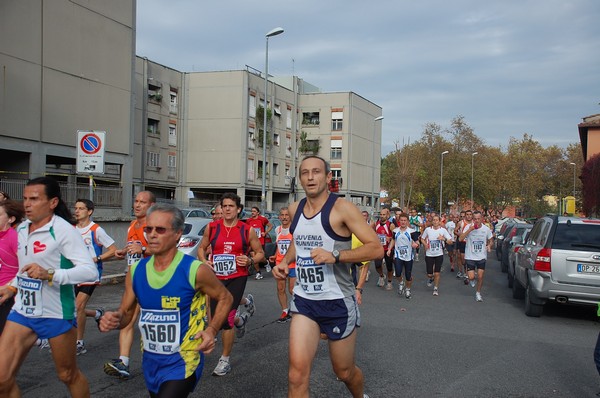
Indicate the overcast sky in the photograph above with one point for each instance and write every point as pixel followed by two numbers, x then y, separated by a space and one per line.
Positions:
pixel 509 67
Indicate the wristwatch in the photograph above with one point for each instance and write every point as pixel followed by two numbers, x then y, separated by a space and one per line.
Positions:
pixel 50 276
pixel 98 259
pixel 359 289
pixel 336 256
pixel 251 261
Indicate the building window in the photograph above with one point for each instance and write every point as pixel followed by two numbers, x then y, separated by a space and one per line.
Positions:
pixel 260 169
pixel 251 138
pixel 336 153
pixel 173 102
pixel 310 118
pixel 277 110
pixel 288 121
pixel 336 124
pixel 153 127
pixel 336 149
pixel 276 139
pixel 152 159
pixel 288 146
pixel 251 170
pixel 276 169
pixel 172 166
pixel 172 134
pixel 252 105
pixel 336 174
pixel 154 93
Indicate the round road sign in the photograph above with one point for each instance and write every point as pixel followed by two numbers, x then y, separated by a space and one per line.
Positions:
pixel 90 144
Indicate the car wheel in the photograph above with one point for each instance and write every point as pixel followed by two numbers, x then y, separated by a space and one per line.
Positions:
pixel 518 292
pixel 532 309
pixel 511 279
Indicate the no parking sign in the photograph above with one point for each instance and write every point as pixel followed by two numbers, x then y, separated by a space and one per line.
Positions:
pixel 90 151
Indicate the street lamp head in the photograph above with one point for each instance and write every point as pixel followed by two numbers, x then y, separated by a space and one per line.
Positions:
pixel 474 153
pixel 573 164
pixel 378 118
pixel 445 152
pixel 274 32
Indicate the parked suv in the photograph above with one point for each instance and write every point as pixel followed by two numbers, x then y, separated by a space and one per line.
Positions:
pixel 559 261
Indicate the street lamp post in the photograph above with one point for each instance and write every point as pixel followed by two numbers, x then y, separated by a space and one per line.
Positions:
pixel 263 196
pixel 472 157
pixel 373 169
pixel 574 167
pixel 441 179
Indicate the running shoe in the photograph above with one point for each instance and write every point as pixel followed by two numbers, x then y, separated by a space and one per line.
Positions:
pixel 284 317
pixel 417 257
pixel 268 267
pixel 365 396
pixel 250 307
pixel 478 297
pixel 388 286
pixel 435 291
pixel 42 343
pixel 368 275
pixel 258 276
pixel 400 289
pixel 80 348
pixel 472 283
pixel 466 280
pixel 407 294
pixel 222 368
pixel 381 281
pixel 459 275
pixel 240 331
pixel 116 367
pixel 429 282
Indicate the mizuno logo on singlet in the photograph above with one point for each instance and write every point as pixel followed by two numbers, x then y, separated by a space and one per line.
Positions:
pixel 29 284
pixel 149 317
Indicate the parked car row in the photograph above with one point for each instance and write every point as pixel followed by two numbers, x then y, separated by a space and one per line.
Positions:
pixel 559 260
pixel 501 230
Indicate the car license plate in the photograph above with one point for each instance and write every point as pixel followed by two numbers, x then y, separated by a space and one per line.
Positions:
pixel 588 268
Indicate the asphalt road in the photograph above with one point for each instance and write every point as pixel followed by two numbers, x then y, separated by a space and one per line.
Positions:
pixel 446 346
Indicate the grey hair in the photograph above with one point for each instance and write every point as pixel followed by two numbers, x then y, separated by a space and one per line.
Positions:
pixel 178 221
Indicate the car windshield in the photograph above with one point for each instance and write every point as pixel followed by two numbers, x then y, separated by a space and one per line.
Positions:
pixel 573 236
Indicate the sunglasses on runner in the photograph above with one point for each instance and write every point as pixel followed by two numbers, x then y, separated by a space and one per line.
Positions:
pixel 159 230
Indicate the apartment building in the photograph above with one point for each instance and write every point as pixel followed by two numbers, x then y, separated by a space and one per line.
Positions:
pixel 60 75
pixel 188 137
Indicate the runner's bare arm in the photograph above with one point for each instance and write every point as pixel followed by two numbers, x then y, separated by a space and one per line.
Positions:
pixel 204 246
pixel 259 253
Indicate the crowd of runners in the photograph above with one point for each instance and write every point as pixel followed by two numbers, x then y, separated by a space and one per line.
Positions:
pixel 182 305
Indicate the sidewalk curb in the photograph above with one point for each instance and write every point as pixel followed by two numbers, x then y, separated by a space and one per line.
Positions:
pixel 112 279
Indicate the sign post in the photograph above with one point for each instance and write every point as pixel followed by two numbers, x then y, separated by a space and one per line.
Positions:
pixel 90 154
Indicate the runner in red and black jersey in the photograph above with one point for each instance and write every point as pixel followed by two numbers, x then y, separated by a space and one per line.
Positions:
pixel 262 226
pixel 234 247
pixel 383 228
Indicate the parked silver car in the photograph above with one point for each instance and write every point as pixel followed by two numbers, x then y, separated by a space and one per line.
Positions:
pixel 560 261
pixel 192 235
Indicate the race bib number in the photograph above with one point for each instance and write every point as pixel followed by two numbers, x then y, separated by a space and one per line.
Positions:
pixel 160 330
pixel 310 276
pixel 224 264
pixel 133 258
pixel 403 251
pixel 258 232
pixel 382 239
pixel 477 246
pixel 435 245
pixel 30 292
pixel 283 245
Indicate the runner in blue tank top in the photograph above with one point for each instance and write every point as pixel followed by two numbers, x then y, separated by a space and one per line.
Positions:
pixel 171 289
pixel 324 295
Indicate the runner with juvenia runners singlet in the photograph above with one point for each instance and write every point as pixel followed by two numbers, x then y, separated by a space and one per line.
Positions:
pixel 96 239
pixel 462 226
pixel 171 289
pixel 451 247
pixel 262 226
pixel 383 228
pixel 44 296
pixel 324 295
pixel 404 241
pixel 134 251
pixel 433 239
pixel 234 248
pixel 283 241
